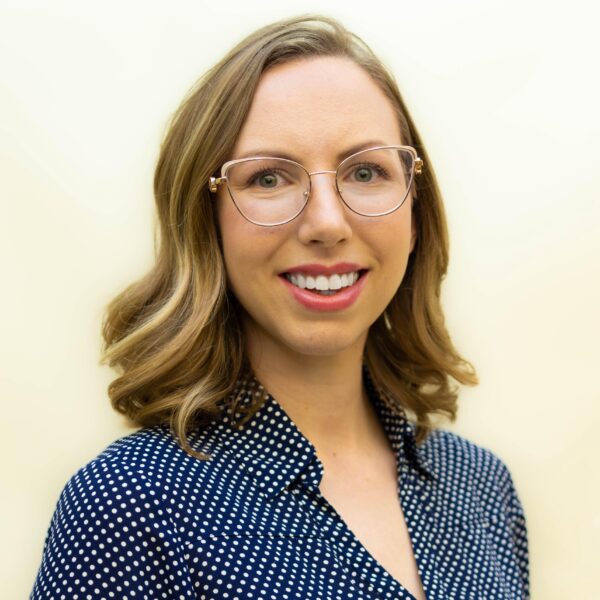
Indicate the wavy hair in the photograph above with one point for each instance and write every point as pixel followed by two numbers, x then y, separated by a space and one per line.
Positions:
pixel 175 337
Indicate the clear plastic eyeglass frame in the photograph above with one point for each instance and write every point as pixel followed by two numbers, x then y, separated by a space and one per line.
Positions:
pixel 417 169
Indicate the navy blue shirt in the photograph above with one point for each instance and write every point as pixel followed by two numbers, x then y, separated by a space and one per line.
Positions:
pixel 146 520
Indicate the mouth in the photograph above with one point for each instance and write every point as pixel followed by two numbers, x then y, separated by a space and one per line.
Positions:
pixel 324 285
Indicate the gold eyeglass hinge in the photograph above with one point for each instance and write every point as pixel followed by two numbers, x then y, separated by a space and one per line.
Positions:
pixel 418 166
pixel 214 182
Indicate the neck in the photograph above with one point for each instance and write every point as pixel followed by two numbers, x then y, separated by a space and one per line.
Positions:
pixel 323 395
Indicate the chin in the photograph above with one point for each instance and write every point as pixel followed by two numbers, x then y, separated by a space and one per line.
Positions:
pixel 299 339
pixel 324 343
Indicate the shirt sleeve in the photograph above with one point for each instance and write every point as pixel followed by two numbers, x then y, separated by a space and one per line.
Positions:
pixel 112 536
pixel 515 517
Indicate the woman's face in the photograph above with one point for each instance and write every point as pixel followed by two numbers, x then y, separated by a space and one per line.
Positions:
pixel 315 111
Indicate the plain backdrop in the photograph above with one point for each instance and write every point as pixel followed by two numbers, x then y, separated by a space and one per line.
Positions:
pixel 506 96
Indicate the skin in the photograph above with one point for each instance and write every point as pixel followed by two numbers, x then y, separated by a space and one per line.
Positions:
pixel 316 110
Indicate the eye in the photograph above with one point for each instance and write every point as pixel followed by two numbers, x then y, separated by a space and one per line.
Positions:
pixel 363 174
pixel 265 176
pixel 368 173
pixel 266 179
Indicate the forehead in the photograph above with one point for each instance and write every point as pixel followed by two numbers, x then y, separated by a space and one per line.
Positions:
pixel 315 107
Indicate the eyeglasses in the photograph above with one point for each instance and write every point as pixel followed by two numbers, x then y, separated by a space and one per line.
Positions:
pixel 272 191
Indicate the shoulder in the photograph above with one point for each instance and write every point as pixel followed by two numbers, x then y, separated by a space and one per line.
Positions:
pixel 471 478
pixel 474 492
pixel 151 456
pixel 473 482
pixel 452 457
pixel 118 509
pixel 141 470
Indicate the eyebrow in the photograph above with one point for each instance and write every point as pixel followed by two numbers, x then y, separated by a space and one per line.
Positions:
pixel 283 154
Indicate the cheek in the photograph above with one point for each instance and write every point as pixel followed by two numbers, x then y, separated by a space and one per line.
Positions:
pixel 391 239
pixel 247 250
pixel 232 239
pixel 233 229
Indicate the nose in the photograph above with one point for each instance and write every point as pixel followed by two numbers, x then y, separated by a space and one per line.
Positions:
pixel 324 220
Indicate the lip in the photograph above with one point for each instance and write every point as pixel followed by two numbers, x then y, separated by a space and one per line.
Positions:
pixel 343 299
pixel 316 269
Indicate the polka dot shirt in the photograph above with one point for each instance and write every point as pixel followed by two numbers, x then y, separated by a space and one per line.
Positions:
pixel 146 520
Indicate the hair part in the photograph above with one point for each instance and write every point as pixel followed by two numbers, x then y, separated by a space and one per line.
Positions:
pixel 175 337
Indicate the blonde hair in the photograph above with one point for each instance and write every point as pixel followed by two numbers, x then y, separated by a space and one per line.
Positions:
pixel 175 337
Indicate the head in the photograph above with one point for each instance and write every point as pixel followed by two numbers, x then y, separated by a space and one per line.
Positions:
pixel 318 111
pixel 181 333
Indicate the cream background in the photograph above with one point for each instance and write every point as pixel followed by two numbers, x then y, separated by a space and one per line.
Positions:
pixel 506 96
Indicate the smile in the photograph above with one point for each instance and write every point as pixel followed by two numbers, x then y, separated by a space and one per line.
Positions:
pixel 319 292
pixel 323 284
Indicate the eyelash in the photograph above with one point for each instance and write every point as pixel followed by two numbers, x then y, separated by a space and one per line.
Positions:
pixel 254 176
pixel 377 168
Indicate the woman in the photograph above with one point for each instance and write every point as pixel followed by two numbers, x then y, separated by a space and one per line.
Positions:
pixel 290 324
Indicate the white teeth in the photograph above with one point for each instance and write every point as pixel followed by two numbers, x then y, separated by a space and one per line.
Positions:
pixel 322 283
pixel 335 282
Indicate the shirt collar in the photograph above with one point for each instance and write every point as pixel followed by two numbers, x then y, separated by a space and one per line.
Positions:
pixel 271 448
pixel 399 430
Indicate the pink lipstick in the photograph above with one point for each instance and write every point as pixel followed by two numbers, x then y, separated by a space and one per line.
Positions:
pixel 325 288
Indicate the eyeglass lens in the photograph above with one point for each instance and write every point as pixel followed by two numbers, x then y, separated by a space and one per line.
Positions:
pixel 274 190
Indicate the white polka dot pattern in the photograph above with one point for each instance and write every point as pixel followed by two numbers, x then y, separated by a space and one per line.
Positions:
pixel 146 520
